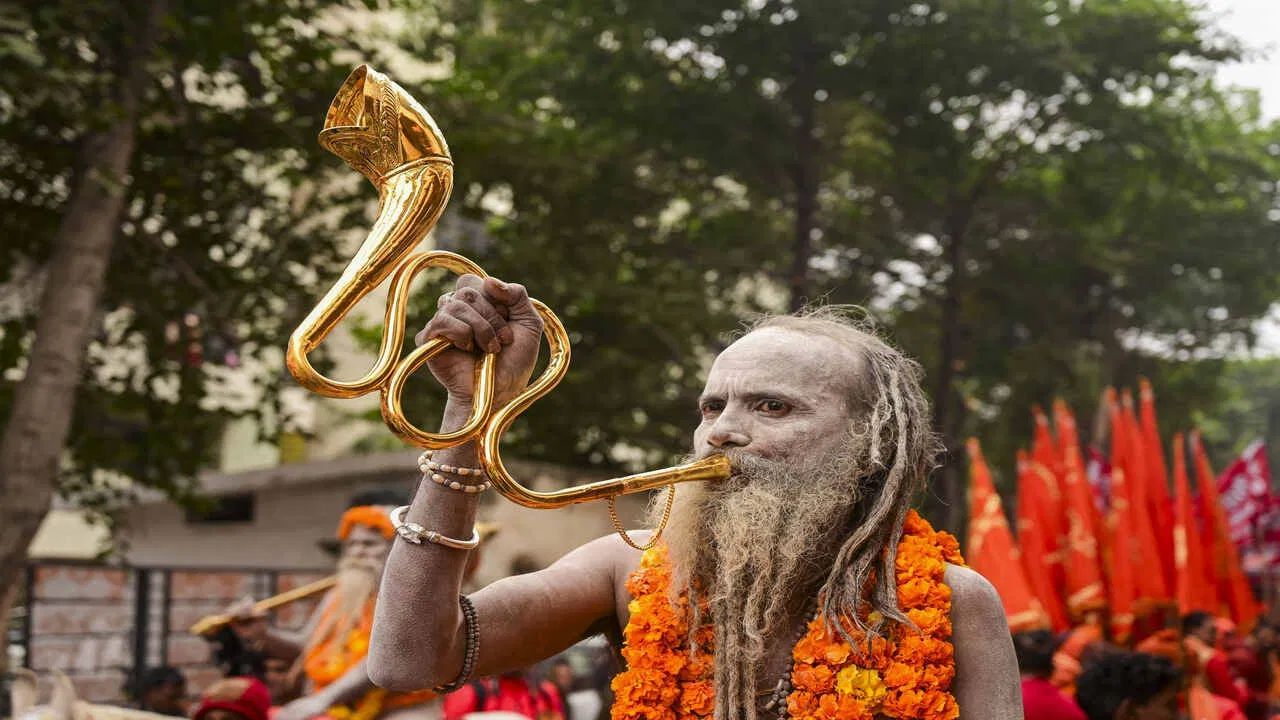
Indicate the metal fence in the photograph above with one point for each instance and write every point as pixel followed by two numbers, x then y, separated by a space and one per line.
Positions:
pixel 103 625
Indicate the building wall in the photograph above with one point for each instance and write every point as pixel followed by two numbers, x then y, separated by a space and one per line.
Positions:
pixel 67 534
pixel 296 512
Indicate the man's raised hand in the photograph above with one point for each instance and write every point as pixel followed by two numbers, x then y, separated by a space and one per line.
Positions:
pixel 484 315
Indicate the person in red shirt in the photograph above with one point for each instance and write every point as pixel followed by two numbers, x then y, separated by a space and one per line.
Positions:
pixel 235 698
pixel 1211 668
pixel 1040 698
pixel 510 693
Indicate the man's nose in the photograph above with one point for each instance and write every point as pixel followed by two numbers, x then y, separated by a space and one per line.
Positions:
pixel 728 432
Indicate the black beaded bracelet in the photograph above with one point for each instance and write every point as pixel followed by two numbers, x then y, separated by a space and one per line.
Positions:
pixel 472 651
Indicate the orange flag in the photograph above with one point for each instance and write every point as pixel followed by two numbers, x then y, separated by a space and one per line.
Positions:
pixel 1150 575
pixel 1122 563
pixel 1046 464
pixel 991 550
pixel 1159 504
pixel 1195 590
pixel 1043 449
pixel 1082 562
pixel 1037 511
pixel 1234 593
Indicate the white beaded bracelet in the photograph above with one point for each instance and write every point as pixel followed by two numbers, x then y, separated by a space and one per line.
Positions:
pixel 432 470
pixel 425 462
pixel 417 535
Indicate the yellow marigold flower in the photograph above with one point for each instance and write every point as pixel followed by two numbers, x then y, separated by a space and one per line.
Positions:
pixel 863 684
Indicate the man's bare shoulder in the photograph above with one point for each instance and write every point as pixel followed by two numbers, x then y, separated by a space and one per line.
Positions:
pixel 986 684
pixel 973 597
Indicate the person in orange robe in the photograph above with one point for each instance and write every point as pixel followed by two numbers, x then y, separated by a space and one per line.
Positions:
pixel 331 649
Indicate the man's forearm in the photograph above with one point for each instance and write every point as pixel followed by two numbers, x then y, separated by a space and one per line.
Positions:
pixel 415 642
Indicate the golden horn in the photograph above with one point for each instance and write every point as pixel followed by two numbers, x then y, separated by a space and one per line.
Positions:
pixel 383 133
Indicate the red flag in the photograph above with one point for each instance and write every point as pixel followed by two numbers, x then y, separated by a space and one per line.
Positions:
pixel 1233 588
pixel 1037 510
pixel 1245 489
pixel 991 550
pixel 1195 590
pixel 1082 564
pixel 1159 504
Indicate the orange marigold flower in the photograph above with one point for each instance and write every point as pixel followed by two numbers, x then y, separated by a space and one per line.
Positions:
pixel 902 675
pixel 808 649
pixel 801 704
pixel 698 698
pixel 931 620
pixel 813 678
pixel 836 652
pixel 937 676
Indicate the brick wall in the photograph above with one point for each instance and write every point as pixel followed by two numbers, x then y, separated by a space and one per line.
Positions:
pixel 101 625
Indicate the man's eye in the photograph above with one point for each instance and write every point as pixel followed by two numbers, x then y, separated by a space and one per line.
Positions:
pixel 711 407
pixel 773 407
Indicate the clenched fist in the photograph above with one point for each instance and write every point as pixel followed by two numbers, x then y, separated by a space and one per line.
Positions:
pixel 484 315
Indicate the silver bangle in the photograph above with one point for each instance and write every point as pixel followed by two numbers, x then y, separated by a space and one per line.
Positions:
pixel 417 535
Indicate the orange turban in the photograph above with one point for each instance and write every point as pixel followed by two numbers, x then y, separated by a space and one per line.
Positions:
pixel 370 516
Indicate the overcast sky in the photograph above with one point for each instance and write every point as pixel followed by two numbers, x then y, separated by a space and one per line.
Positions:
pixel 1257 23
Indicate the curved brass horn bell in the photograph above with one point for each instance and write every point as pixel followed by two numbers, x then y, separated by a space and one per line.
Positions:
pixel 384 134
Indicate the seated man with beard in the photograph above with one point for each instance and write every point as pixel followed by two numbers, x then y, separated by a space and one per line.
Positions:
pixel 803 586
pixel 331 648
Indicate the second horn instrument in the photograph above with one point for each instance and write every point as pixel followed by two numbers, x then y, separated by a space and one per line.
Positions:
pixel 382 132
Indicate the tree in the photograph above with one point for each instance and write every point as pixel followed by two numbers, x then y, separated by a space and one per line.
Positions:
pixel 161 165
pixel 40 416
pixel 1012 189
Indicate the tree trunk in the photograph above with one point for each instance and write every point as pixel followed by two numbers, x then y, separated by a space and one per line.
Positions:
pixel 43 403
pixel 947 410
pixel 804 170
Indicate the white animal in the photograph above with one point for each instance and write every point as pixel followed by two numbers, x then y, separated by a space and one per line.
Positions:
pixel 63 703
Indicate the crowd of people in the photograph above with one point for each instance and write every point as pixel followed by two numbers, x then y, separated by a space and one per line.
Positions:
pixel 802 586
pixel 572 686
pixel 1206 669
pixel 319 671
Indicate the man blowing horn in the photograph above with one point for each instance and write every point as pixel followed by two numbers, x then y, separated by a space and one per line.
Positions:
pixel 803 586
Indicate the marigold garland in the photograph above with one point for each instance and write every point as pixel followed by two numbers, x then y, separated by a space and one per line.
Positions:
pixel 906 675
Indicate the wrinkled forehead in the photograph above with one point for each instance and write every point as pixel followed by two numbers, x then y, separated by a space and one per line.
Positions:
pixel 802 363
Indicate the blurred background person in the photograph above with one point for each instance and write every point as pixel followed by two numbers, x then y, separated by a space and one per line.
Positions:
pixel 1118 685
pixel 1206 661
pixel 234 698
pixel 331 650
pixel 161 690
pixel 1040 698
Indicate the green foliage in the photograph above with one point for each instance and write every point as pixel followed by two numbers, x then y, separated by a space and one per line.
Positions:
pixel 1034 198
pixel 1249 410
pixel 1037 199
pixel 213 260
